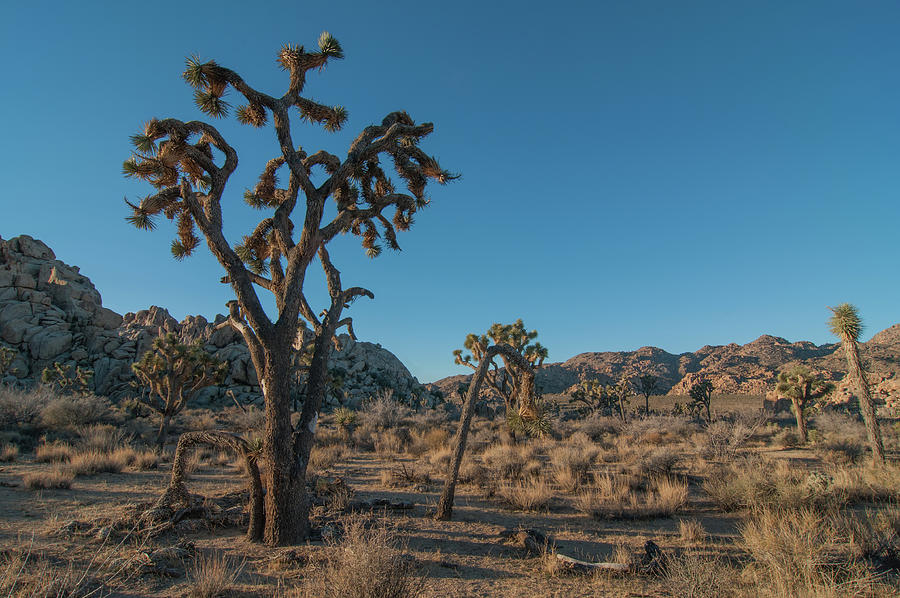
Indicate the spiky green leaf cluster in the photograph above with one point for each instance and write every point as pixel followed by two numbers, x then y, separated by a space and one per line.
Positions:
pixel 210 83
pixel 802 384
pixel 845 322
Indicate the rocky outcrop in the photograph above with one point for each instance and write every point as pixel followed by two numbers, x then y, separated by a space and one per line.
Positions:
pixel 50 312
pixel 732 369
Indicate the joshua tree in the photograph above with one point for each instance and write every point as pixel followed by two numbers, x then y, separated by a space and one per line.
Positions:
pixel 7 356
pixel 174 373
pixel 647 384
pixel 701 396
pixel 619 394
pixel 510 382
pixel 62 378
pixel 847 325
pixel 485 359
pixel 593 394
pixel 802 387
pixel 189 164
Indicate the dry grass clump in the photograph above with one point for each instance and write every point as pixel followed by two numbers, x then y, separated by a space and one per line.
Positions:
pixel 249 419
pixel 9 453
pixel 102 437
pixel 145 460
pixel 326 457
pixel 762 484
pixel 211 575
pixel 613 497
pixel 691 531
pixel 57 478
pixel 54 452
pixel 875 536
pixel 440 458
pixel 92 462
pixel 787 438
pixel 526 495
pixel 841 450
pixel 200 419
pixel 851 485
pixel 596 427
pixel 428 440
pixel 571 463
pixel 802 552
pixel 405 474
pixel 367 562
pixel 391 442
pixel 509 462
pixel 694 575
pixel 26 573
pixel 658 429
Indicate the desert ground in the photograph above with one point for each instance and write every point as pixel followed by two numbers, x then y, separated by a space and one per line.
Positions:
pixel 734 507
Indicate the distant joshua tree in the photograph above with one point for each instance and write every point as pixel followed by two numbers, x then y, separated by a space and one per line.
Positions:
pixel 63 379
pixel 174 373
pixel 523 414
pixel 646 386
pixel 7 356
pixel 619 395
pixel 701 397
pixel 802 387
pixel 846 324
pixel 592 393
pixel 189 165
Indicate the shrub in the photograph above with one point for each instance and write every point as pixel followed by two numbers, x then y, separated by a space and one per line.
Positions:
pixel 422 441
pixel 693 575
pixel 53 452
pixel 526 495
pixel 145 460
pixel 596 427
pixel 325 457
pixel 383 411
pixel 92 461
pixel 102 437
pixel 9 453
pixel 56 478
pixel 613 498
pixel 691 531
pixel 841 450
pixel 571 463
pixel 798 552
pixel 368 561
pixel 726 436
pixel 391 442
pixel 788 439
pixel 20 408
pixel 507 461
pixel 71 411
pixel 211 575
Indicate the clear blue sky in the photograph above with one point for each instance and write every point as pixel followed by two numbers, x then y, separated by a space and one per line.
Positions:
pixel 634 173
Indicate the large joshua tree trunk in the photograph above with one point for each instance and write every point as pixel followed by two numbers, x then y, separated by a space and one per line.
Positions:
pixel 866 404
pixel 445 506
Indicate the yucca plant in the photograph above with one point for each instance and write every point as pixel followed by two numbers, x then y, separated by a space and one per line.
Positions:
pixel 189 165
pixel 846 324
pixel 174 372
pixel 802 387
pixel 7 356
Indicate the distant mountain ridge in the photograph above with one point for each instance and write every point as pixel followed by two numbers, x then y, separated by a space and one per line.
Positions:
pixel 735 369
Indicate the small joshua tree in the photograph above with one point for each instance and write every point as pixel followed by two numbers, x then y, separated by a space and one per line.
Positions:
pixel 189 165
pixel 62 378
pixel 619 395
pixel 592 393
pixel 510 382
pixel 7 356
pixel 646 386
pixel 174 373
pixel 846 324
pixel 802 387
pixel 701 398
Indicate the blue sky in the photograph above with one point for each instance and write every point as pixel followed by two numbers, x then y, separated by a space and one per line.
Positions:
pixel 634 173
